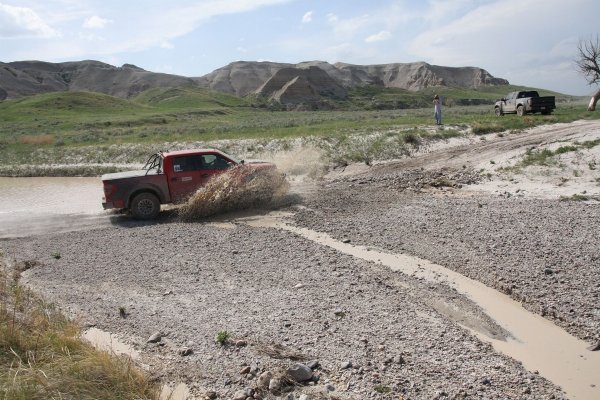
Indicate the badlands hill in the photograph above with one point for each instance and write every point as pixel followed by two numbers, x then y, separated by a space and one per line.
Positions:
pixel 285 83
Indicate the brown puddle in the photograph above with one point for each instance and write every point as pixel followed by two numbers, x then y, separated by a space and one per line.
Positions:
pixel 536 342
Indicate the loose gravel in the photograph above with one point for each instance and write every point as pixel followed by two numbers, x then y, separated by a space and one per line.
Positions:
pixel 362 330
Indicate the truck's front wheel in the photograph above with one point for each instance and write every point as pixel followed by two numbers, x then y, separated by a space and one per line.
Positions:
pixel 499 112
pixel 145 206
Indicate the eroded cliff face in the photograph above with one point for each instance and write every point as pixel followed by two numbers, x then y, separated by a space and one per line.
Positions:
pixel 23 78
pixel 294 85
pixel 286 83
pixel 239 78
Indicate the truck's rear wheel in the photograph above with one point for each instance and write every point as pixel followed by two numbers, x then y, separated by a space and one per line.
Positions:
pixel 145 206
pixel 520 111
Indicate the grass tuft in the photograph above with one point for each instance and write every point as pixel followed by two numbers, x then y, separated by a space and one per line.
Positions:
pixel 43 357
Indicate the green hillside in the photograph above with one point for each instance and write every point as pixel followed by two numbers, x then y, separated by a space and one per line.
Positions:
pixel 67 104
pixel 193 114
pixel 188 98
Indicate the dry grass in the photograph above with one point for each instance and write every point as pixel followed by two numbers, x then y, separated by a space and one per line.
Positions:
pixel 37 139
pixel 239 188
pixel 43 357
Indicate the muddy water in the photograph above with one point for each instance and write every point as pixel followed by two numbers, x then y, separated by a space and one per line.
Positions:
pixel 39 205
pixel 536 342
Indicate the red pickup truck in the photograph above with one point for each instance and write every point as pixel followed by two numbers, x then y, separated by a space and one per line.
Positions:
pixel 167 178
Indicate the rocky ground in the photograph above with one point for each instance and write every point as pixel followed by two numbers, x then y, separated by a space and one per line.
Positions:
pixel 299 320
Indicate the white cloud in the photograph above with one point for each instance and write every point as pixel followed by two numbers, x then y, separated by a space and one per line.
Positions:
pixel 307 17
pixel 23 22
pixel 95 22
pixel 348 28
pixel 502 36
pixel 379 37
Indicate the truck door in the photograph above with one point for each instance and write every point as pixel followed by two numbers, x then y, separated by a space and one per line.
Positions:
pixel 185 176
pixel 214 164
pixel 509 105
pixel 191 172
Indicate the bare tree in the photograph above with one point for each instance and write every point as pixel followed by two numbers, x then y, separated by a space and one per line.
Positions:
pixel 588 62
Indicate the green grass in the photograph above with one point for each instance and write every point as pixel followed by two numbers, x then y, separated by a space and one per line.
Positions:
pixel 42 356
pixel 545 157
pixel 68 123
pixel 575 197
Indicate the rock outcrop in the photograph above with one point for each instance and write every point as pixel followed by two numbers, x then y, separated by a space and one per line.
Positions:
pixel 294 85
pixel 313 81
pixel 25 78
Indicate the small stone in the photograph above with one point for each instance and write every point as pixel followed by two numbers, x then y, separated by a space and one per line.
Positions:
pixel 300 372
pixel 264 379
pixel 240 395
pixel 211 395
pixel 245 370
pixel 594 347
pixel 345 240
pixel 299 286
pixel 241 343
pixel 346 365
pixel 275 385
pixel 154 338
pixel 314 364
pixel 329 387
pixel 186 351
pixel 548 271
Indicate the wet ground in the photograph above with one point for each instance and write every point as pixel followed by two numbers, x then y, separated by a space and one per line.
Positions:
pixel 41 205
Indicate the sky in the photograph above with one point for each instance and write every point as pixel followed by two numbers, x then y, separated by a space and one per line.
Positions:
pixel 528 42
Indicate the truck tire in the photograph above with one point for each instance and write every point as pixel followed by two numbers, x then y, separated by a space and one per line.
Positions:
pixel 145 206
pixel 520 111
pixel 498 111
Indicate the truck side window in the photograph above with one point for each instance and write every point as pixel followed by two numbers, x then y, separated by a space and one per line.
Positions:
pixel 187 163
pixel 212 161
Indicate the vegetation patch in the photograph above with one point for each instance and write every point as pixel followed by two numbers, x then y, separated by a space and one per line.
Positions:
pixel 575 197
pixel 43 357
pixel 545 157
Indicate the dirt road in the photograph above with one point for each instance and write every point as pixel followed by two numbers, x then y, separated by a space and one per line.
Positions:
pixel 372 330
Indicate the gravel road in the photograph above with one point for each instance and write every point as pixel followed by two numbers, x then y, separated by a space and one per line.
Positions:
pixel 304 321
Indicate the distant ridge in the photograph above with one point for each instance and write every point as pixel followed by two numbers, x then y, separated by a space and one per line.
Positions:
pixel 280 82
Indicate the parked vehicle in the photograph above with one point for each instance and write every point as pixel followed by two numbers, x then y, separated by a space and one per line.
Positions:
pixel 525 102
pixel 168 178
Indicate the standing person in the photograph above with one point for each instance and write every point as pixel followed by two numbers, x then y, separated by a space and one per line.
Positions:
pixel 437 107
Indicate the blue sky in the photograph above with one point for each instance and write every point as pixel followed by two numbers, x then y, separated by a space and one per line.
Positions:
pixel 528 42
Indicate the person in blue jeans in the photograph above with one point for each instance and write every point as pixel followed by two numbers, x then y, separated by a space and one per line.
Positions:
pixel 437 107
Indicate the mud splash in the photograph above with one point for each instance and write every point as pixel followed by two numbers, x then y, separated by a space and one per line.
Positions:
pixel 237 189
pixel 536 342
